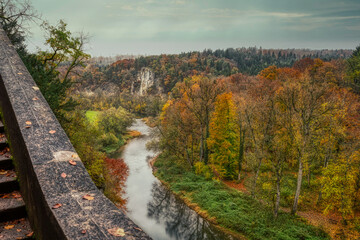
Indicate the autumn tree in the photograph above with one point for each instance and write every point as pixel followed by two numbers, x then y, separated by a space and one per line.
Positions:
pixel 260 119
pixel 180 132
pixel 199 95
pixel 223 142
pixel 340 174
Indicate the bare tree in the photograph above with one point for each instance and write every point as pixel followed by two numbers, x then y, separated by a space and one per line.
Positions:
pixel 14 16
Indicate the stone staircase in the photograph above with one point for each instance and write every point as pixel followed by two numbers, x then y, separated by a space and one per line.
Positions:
pixel 13 221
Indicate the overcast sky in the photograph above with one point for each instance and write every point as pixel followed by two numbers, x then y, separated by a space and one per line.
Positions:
pixel 174 26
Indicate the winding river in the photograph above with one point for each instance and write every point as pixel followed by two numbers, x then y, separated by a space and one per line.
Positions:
pixel 151 205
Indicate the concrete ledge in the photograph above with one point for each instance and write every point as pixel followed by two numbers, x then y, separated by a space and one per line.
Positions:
pixel 41 157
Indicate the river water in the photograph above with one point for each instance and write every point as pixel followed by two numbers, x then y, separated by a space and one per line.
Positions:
pixel 152 206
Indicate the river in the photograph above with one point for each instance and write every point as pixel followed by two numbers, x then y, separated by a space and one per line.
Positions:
pixel 151 205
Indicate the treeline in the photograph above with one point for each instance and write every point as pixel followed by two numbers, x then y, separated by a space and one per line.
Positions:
pixel 291 135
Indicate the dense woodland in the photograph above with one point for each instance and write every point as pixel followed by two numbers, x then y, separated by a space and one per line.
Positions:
pixel 170 69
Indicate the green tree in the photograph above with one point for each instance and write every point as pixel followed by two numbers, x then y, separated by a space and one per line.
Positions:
pixel 115 121
pixel 354 70
pixel 67 51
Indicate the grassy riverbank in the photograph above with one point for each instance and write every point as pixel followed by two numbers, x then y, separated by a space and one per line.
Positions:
pixel 232 209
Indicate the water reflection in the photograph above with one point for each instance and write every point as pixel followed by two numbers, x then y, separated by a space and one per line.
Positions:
pixel 181 222
pixel 150 205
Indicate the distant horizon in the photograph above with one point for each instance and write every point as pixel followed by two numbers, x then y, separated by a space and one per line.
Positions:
pixel 258 47
pixel 154 27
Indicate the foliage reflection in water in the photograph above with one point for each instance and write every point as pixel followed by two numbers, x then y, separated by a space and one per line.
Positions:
pixel 152 206
pixel 180 221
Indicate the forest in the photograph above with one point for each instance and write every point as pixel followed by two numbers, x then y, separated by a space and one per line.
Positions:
pixel 286 137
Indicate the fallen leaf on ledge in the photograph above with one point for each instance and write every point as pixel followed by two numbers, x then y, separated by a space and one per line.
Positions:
pixel 56 206
pixel 117 232
pixel 88 197
pixel 63 175
pixel 72 162
pixel 9 227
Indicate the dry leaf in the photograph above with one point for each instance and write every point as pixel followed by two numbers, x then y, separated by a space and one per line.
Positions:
pixel 56 206
pixel 72 162
pixel 18 230
pixel 83 231
pixel 88 197
pixel 9 226
pixel 52 131
pixel 16 195
pixel 117 232
pixel 30 234
pixel 27 126
pixel 2 172
pixel 28 123
pixel 19 73
pixel 63 175
pixel 75 156
pixel 35 99
pixel 138 229
pixel 35 88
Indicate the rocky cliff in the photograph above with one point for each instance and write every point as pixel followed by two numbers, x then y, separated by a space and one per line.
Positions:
pixel 147 82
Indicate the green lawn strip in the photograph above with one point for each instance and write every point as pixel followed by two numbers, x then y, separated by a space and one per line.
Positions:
pixel 233 209
pixel 92 116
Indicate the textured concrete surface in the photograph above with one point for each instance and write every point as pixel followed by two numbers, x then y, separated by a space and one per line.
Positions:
pixel 41 157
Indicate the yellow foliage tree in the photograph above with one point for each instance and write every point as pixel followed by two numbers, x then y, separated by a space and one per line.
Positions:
pixel 223 137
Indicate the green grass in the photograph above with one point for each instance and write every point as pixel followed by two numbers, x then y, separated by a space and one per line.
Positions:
pixel 232 209
pixel 92 116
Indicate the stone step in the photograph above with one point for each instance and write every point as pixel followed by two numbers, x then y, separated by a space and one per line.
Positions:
pixel 12 207
pixel 3 141
pixel 8 182
pixel 6 162
pixel 16 229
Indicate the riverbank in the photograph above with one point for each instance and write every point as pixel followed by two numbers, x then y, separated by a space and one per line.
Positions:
pixel 195 206
pixel 229 208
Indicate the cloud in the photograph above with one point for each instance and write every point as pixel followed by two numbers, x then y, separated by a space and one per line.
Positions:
pixel 127 7
pixel 235 13
pixel 353 28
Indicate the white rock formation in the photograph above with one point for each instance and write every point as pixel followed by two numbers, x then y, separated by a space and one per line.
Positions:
pixel 147 79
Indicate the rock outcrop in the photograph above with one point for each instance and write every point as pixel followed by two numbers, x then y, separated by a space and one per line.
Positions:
pixel 147 80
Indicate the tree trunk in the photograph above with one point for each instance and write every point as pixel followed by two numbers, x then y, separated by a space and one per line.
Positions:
pixel 241 151
pixel 201 147
pixel 325 166
pixel 277 201
pixel 255 178
pixel 298 187
pixel 206 152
